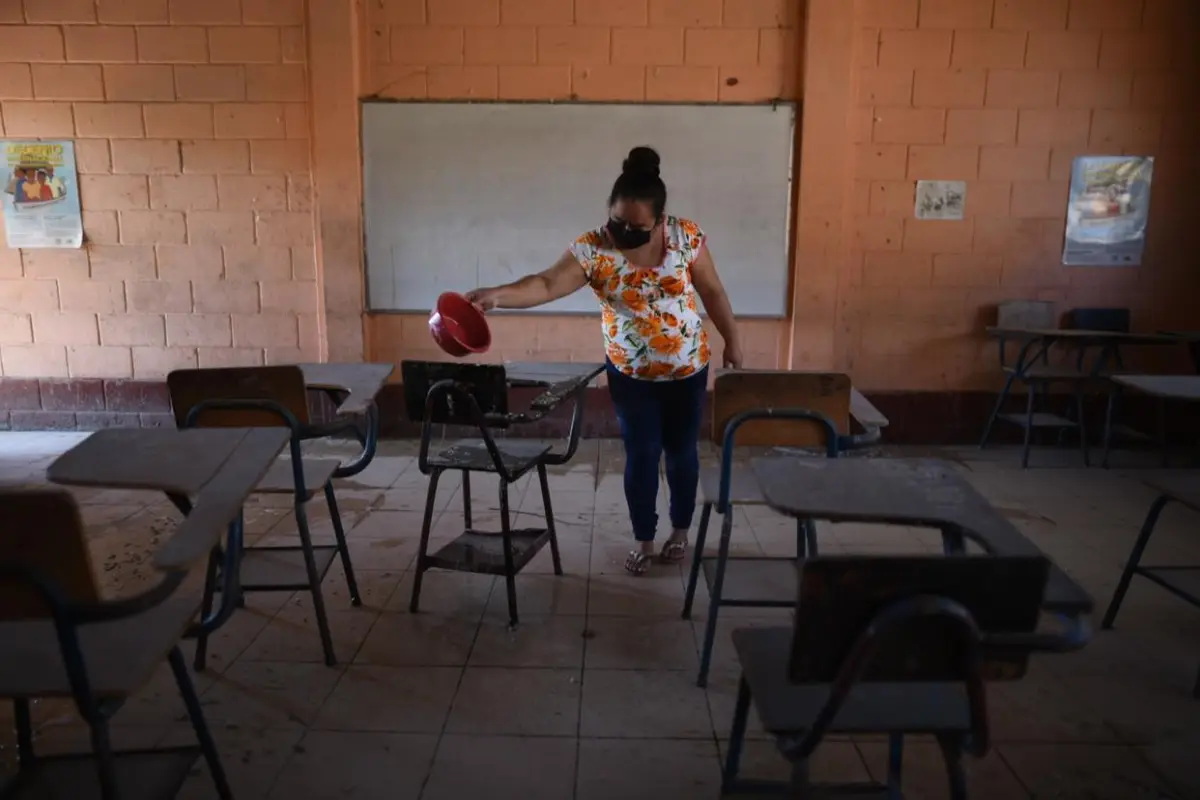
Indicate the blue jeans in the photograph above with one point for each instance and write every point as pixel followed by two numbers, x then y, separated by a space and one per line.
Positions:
pixel 659 417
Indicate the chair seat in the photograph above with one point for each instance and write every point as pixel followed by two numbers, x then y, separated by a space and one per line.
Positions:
pixel 743 486
pixel 517 455
pixel 280 478
pixel 787 708
pixel 119 655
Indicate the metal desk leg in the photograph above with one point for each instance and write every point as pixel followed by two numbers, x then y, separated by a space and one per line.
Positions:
pixel 369 442
pixel 573 434
pixel 1110 415
pixel 1135 558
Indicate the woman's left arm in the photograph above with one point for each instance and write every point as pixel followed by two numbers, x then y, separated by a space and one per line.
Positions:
pixel 716 303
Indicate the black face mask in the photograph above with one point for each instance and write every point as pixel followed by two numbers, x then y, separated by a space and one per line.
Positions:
pixel 625 237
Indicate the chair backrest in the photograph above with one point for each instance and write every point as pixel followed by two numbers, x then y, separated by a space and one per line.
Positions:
pixel 840 596
pixel 1035 314
pixel 736 391
pixel 282 385
pixel 486 383
pixel 41 532
pixel 1117 320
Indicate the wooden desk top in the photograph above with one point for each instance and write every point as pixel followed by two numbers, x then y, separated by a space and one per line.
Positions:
pixel 920 492
pixel 1183 486
pixel 1079 334
pixel 1172 387
pixel 216 467
pixel 361 381
pixel 548 373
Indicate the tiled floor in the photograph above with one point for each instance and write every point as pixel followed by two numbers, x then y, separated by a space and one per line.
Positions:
pixel 594 695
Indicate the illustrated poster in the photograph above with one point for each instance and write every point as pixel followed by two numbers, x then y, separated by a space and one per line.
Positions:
pixel 1108 210
pixel 41 198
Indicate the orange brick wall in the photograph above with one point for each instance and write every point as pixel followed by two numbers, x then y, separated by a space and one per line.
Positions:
pixel 1004 94
pixel 592 50
pixel 192 138
pixel 206 143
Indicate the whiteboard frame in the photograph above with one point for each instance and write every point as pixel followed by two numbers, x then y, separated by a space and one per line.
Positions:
pixel 794 106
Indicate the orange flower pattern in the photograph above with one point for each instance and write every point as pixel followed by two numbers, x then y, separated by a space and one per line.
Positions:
pixel 651 322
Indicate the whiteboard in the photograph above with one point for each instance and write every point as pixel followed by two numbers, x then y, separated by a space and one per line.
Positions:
pixel 460 195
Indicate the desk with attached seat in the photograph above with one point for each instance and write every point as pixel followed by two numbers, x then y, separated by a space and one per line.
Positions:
pixel 60 639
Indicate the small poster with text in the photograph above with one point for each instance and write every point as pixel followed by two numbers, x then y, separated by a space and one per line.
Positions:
pixel 41 195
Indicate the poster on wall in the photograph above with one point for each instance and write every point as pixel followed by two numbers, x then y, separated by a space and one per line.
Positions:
pixel 941 199
pixel 41 197
pixel 1107 210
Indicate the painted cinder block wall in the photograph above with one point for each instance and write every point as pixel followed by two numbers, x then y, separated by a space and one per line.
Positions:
pixel 704 51
pixel 218 141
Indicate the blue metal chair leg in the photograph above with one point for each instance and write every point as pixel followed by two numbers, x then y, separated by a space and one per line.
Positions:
pixel 314 585
pixel 466 494
pixel 714 600
pixel 196 714
pixel 895 765
pixel 24 724
pixel 1135 558
pixel 426 524
pixel 737 738
pixel 1031 394
pixel 200 660
pixel 102 751
pixel 697 561
pixel 510 571
pixel 991 423
pixel 548 507
pixel 339 533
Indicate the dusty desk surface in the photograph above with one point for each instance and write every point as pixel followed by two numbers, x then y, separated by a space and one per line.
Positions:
pixel 548 373
pixel 898 491
pixel 1174 387
pixel 217 468
pixel 361 381
pixel 161 459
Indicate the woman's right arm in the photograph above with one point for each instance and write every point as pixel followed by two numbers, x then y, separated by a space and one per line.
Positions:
pixel 565 277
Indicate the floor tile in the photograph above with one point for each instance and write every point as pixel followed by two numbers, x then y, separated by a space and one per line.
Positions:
pixel 539 641
pixel 400 639
pixel 647 769
pixel 637 643
pixel 265 694
pixel 520 702
pixel 293 635
pixel 1094 772
pixel 641 703
pixel 539 593
pixel 503 768
pixel 393 699
pixel 351 765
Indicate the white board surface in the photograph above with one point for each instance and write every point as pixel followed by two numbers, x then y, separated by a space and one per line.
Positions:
pixel 460 195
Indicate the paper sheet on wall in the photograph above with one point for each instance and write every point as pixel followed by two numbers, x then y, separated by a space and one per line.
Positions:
pixel 1108 209
pixel 41 196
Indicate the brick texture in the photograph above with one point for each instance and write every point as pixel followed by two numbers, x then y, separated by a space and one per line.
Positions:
pixel 1023 87
pixel 657 50
pixel 163 99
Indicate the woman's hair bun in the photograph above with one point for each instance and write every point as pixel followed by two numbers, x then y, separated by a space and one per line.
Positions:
pixel 642 160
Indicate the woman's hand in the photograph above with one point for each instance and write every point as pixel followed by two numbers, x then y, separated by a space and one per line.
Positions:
pixel 732 357
pixel 485 299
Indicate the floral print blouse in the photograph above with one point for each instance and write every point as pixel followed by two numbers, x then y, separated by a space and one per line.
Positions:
pixel 652 328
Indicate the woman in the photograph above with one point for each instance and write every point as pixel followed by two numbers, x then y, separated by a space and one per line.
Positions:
pixel 646 269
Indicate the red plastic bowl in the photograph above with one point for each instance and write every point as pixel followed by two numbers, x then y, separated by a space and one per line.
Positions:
pixel 458 327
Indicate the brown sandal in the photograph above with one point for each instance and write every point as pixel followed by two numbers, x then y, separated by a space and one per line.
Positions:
pixel 674 551
pixel 637 562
